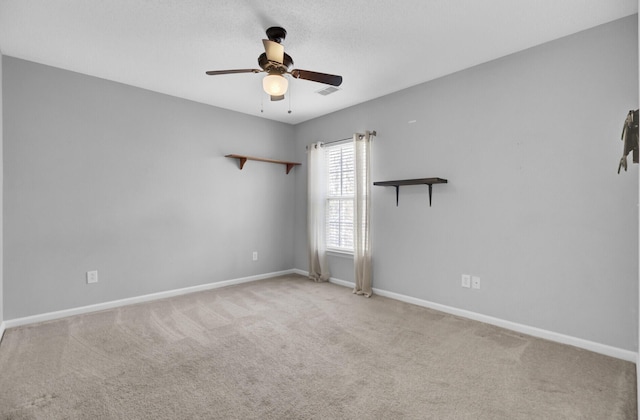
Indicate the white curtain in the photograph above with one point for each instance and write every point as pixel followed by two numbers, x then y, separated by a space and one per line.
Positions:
pixel 362 206
pixel 316 197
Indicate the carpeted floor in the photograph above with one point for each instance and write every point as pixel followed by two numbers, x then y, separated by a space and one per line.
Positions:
pixel 289 348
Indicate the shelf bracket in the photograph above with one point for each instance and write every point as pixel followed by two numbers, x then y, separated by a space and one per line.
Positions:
pixel 397 194
pixel 430 192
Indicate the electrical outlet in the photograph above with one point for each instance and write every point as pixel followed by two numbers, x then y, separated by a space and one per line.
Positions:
pixel 255 255
pixel 466 281
pixel 92 276
pixel 475 282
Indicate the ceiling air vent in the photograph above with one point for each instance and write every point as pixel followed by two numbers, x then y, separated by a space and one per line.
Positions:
pixel 327 91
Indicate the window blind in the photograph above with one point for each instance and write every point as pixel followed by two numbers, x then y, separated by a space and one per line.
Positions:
pixel 340 163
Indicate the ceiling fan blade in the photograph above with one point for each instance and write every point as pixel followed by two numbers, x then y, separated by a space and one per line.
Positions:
pixel 275 51
pixel 215 72
pixel 328 79
pixel 277 98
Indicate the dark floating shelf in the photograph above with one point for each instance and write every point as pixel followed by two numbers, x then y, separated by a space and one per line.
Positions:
pixel 417 181
pixel 243 159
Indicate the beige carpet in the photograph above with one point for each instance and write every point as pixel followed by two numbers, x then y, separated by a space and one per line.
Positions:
pixel 288 348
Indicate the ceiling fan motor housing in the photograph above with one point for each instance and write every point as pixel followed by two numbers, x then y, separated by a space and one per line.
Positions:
pixel 276 34
pixel 273 67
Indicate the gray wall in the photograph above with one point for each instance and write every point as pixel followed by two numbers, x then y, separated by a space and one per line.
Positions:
pixel 1 197
pixel 134 184
pixel 530 145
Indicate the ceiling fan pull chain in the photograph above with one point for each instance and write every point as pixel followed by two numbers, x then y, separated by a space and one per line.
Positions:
pixel 290 91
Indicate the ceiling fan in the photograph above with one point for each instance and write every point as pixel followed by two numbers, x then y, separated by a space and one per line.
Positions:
pixel 275 62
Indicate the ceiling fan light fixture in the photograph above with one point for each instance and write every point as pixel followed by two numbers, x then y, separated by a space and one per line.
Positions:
pixel 275 84
pixel 276 63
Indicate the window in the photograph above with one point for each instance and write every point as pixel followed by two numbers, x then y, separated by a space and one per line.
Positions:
pixel 340 196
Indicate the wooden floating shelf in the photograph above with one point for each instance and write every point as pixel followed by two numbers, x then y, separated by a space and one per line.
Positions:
pixel 417 181
pixel 243 159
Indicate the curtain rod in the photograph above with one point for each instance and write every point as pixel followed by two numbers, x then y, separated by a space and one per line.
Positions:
pixel 373 133
pixel 336 141
pixel 347 138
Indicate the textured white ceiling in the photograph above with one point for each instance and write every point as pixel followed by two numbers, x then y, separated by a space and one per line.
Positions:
pixel 378 46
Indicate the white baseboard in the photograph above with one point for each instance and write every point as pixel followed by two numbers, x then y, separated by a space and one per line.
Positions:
pixel 607 350
pixel 16 322
pixel 344 283
pixel 524 329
